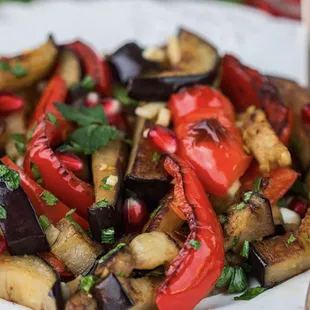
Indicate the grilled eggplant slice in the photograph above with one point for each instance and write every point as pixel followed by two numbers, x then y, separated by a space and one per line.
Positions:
pixel 36 65
pixel 74 248
pixel 21 227
pixel 146 178
pixel 199 64
pixel 279 258
pixel 251 222
pixel 30 282
pixel 69 67
pixel 108 162
pixel 129 63
pixel 81 301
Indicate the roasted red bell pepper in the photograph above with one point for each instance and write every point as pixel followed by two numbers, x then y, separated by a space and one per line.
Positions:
pixel 190 99
pixel 96 68
pixel 245 87
pixel 34 191
pixel 211 143
pixel 9 103
pixel 57 179
pixel 55 91
pixel 273 185
pixel 194 272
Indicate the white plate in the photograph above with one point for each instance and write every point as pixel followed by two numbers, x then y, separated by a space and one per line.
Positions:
pixel 275 46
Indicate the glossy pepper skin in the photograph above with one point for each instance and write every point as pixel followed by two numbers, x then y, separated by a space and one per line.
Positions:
pixel 194 272
pixel 34 191
pixel 245 87
pixel 211 143
pixel 274 185
pixel 96 68
pixel 9 103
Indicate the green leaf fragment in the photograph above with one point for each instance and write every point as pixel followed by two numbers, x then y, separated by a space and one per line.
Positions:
pixel 2 213
pixel 52 118
pixel 49 198
pixel 226 275
pixel 87 283
pixel 19 71
pixel 250 293
pixel 238 281
pixel 44 221
pixel 245 249
pixel 107 235
pixel 109 254
pixel 10 177
pixel 195 244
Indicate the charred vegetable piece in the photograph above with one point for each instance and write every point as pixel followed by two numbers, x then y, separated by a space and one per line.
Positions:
pixel 110 294
pixel 145 176
pixel 198 64
pixel 279 258
pixel 29 67
pixel 108 164
pixel 30 282
pixel 81 301
pixel 69 67
pixel 249 220
pixel 20 224
pixel 129 63
pixel 74 248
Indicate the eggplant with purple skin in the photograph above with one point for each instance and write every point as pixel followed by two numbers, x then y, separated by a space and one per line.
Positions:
pixel 127 62
pixel 108 164
pixel 145 177
pixel 198 63
pixel 20 226
pixel 30 282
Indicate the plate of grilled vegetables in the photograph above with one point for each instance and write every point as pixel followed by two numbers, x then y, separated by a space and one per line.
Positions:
pixel 151 178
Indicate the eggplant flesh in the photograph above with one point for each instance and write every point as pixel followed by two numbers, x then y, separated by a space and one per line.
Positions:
pixel 129 63
pixel 253 222
pixel 74 248
pixel 199 64
pixel 30 282
pixel 21 227
pixel 110 294
pixel 147 179
pixel 81 301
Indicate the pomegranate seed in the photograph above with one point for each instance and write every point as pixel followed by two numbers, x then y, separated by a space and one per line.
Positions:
pixel 135 215
pixel 299 206
pixel 305 113
pixel 9 103
pixel 92 99
pixel 163 139
pixel 70 161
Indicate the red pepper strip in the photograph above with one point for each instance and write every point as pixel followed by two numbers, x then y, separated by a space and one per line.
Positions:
pixel 214 147
pixel 273 186
pixel 55 91
pixel 9 103
pixel 94 67
pixel 3 244
pixel 193 273
pixel 190 99
pixel 57 264
pixel 57 179
pixel 34 191
pixel 245 87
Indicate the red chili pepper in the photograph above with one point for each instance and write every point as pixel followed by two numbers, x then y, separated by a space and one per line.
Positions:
pixel 74 192
pixel 214 147
pixel 189 99
pixel 3 244
pixel 70 160
pixel 56 264
pixel 274 185
pixel 55 91
pixel 162 139
pixel 34 191
pixel 299 206
pixel 245 87
pixel 10 103
pixel 194 272
pixel 96 68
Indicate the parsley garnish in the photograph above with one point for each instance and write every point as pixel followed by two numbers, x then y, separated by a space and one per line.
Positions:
pixel 121 95
pixel 109 254
pixel 245 249
pixel 107 235
pixel 225 277
pixel 44 221
pixel 156 157
pixel 73 222
pixel 238 281
pixel 20 143
pixel 102 203
pixel 19 71
pixel 291 239
pixel 250 293
pixel 122 274
pixel 4 66
pixel 10 177
pixel 245 199
pixel 105 186
pixel 234 241
pixel 49 198
pixel 257 184
pixel 247 196
pixel 51 117
pixel 222 218
pixel 88 83
pixel 195 244
pixel 239 206
pixel 2 213
pixel 87 283
pixel 155 212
